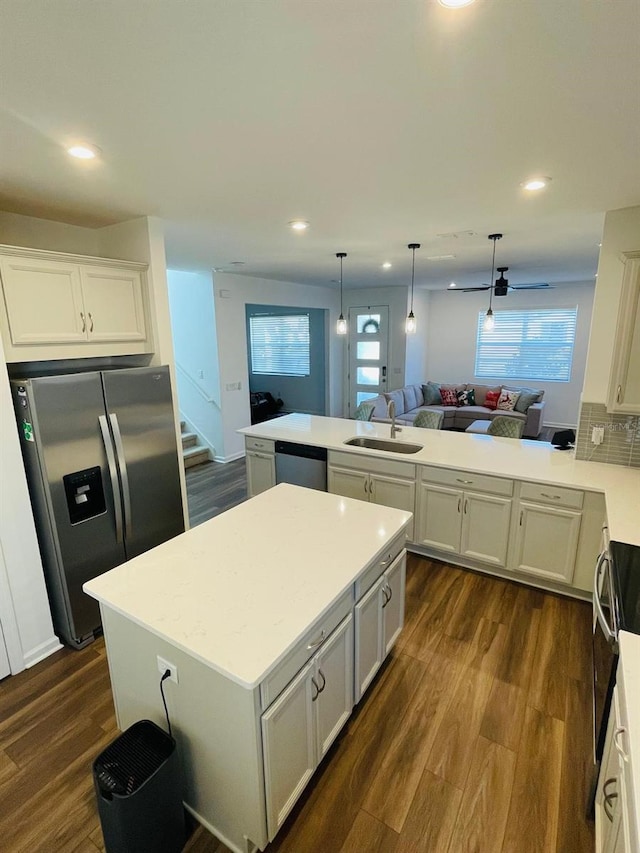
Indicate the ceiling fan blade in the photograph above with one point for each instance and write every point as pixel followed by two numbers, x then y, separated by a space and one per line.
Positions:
pixel 467 289
pixel 539 286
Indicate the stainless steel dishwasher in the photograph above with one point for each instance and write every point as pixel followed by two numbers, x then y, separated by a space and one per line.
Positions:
pixel 301 465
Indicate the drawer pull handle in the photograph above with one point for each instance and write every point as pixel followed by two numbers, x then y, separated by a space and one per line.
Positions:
pixel 552 497
pixel 386 562
pixel 617 739
pixel 84 323
pixel 258 444
pixel 466 482
pixel 316 643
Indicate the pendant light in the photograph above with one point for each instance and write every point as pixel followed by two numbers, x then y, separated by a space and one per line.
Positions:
pixel 489 320
pixel 410 325
pixel 341 327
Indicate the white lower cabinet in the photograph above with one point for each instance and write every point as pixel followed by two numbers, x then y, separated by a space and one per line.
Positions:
pixel 386 482
pixel 613 802
pixel 302 723
pixel 474 524
pixel 379 618
pixel 547 533
pixel 261 465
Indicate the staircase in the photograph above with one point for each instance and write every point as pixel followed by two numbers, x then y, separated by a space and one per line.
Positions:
pixel 192 452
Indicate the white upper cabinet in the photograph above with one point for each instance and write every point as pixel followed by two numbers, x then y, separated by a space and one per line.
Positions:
pixel 67 306
pixel 624 385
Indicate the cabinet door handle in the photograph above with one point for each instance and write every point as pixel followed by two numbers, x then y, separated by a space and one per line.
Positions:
pixel 617 736
pixel 84 323
pixel 609 798
pixel 90 321
pixel 459 504
pixel 466 482
pixel 316 643
pixel 551 497
pixel 315 684
pixel 619 394
pixel 390 591
pixel 324 681
pixel 521 514
pixel 466 504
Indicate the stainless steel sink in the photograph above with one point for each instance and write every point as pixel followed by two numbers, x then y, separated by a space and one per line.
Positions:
pixel 391 445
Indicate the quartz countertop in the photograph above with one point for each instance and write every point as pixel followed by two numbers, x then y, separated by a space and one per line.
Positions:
pixel 238 591
pixel 536 461
pixel 630 665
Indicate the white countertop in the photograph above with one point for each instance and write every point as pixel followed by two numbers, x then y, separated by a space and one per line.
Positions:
pixel 523 460
pixel 238 591
pixel 630 663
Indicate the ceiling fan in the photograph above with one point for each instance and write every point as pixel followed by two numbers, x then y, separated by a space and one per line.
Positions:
pixel 501 286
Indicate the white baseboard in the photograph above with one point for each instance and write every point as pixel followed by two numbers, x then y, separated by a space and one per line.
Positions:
pixel 232 458
pixel 35 655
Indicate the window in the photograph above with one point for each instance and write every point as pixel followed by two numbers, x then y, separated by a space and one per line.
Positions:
pixel 533 344
pixel 280 344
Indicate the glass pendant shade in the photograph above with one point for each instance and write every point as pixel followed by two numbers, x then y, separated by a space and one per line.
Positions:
pixel 341 325
pixel 489 321
pixel 410 323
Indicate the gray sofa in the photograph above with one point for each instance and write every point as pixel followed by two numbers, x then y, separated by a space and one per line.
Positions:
pixel 410 400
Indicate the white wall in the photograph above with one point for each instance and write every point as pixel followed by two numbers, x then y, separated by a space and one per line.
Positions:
pixel 451 342
pixel 195 347
pixel 621 234
pixel 17 230
pixel 232 345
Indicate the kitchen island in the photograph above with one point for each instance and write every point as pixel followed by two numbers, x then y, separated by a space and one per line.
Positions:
pixel 274 617
pixel 479 501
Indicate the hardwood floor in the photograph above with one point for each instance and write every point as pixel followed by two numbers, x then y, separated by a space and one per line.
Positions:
pixel 214 487
pixel 474 737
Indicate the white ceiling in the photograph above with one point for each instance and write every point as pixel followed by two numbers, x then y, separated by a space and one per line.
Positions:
pixel 382 122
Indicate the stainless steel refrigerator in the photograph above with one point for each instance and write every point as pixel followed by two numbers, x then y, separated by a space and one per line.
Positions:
pixel 102 463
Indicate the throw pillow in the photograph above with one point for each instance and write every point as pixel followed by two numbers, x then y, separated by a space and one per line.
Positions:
pixel 466 398
pixel 526 398
pixel 432 396
pixel 491 400
pixel 507 400
pixel 449 396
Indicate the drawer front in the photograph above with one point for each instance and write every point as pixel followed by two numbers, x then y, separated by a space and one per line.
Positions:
pixel 373 464
pixel 305 649
pixel 556 495
pixel 371 574
pixel 466 481
pixel 251 442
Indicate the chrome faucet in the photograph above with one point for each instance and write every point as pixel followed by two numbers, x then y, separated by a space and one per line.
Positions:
pixel 391 412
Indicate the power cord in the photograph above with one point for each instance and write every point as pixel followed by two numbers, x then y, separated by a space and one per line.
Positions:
pixel 165 675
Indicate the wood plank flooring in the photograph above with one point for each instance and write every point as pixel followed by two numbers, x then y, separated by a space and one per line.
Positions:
pixel 474 737
pixel 214 487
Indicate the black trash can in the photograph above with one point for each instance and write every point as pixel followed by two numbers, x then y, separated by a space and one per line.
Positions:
pixel 138 782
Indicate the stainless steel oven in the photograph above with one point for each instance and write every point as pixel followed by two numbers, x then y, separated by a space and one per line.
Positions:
pixel 616 607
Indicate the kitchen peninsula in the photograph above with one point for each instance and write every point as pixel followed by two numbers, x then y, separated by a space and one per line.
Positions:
pixel 515 508
pixel 275 616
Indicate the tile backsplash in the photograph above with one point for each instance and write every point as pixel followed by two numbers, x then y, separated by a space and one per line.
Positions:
pixel 621 445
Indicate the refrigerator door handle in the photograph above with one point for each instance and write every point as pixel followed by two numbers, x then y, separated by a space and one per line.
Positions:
pixel 113 473
pixel 124 476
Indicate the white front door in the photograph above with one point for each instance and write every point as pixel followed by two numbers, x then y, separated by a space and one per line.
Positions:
pixel 368 353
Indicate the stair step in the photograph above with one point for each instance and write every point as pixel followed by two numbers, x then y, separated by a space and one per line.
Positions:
pixel 195 455
pixel 189 439
pixel 182 425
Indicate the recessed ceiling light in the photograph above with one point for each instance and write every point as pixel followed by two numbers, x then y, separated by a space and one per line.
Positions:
pixel 83 151
pixel 299 224
pixel 386 265
pixel 534 184
pixel 455 4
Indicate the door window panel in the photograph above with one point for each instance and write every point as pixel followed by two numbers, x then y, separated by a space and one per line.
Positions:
pixel 368 376
pixel 368 324
pixel 369 350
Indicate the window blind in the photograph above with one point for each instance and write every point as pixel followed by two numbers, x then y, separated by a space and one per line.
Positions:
pixel 280 344
pixel 531 344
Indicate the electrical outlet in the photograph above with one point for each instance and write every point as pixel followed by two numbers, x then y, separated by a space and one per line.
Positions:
pixel 164 665
pixel 597 435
